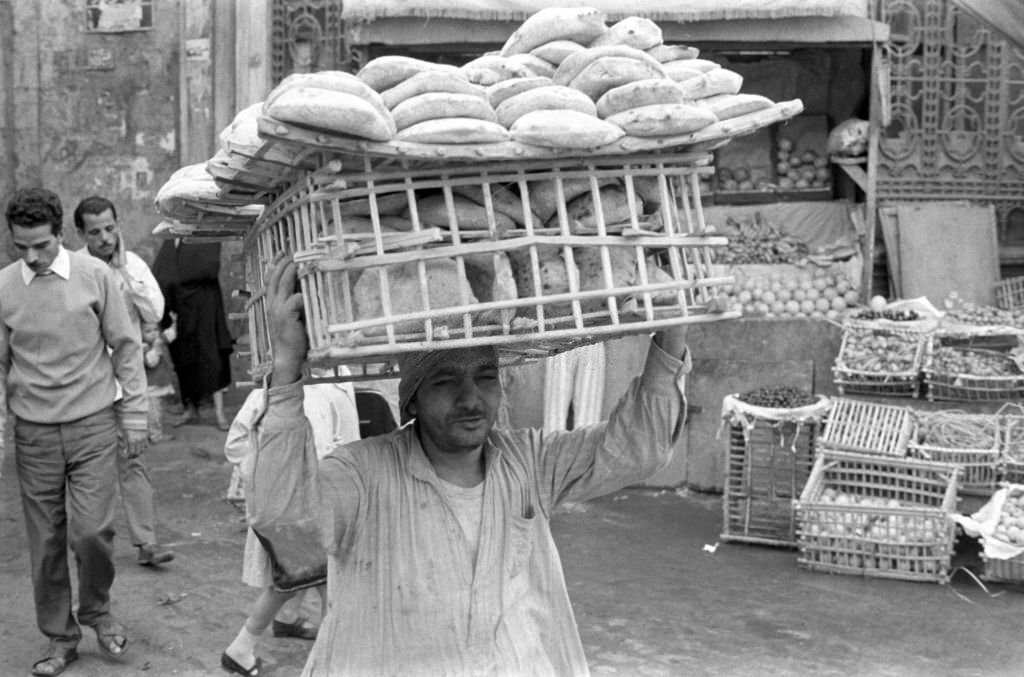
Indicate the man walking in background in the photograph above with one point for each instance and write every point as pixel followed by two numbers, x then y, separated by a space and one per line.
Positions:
pixel 96 221
pixel 60 311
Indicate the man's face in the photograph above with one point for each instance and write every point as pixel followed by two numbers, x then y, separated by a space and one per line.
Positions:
pixel 36 245
pixel 457 403
pixel 101 234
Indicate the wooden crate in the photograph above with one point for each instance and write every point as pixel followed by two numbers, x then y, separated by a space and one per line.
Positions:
pixel 904 382
pixel 768 459
pixel 1012 444
pixel 1010 293
pixel 1003 570
pixel 660 241
pixel 979 454
pixel 942 384
pixel 866 427
pixel 877 516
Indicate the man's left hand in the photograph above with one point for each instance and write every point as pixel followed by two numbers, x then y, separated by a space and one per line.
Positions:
pixel 135 442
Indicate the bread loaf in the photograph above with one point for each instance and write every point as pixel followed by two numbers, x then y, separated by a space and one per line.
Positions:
pixel 332 111
pixel 553 279
pixel 574 63
pixel 579 24
pixel 534 64
pixel 726 106
pixel 445 288
pixel 551 97
pixel 634 31
pixel 243 132
pixel 454 131
pixel 717 81
pixel 581 211
pixel 666 53
pixel 544 194
pixel 433 212
pixel 663 119
pixel 430 81
pixel 639 93
pixel 564 129
pixel 385 72
pixel 482 76
pixel 338 81
pixel 507 67
pixel 503 200
pixel 608 72
pixel 433 105
pixel 556 51
pixel 491 279
pixel 499 91
pixel 703 65
pixel 387 204
pixel 679 70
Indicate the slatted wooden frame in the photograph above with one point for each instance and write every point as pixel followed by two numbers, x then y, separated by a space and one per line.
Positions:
pixel 946 386
pixel 1012 443
pixel 866 427
pixel 307 223
pixel 980 466
pixel 906 535
pixel 1010 293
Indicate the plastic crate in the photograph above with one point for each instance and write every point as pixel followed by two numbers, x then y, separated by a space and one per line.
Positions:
pixel 866 427
pixel 851 379
pixel 661 242
pixel 768 459
pixel 877 516
pixel 1010 293
pixel 935 438
pixel 942 384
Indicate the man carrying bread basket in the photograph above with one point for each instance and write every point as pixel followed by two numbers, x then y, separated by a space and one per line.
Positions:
pixel 439 554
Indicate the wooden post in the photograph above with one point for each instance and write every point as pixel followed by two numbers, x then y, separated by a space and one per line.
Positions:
pixel 223 54
pixel 870 192
pixel 196 131
pixel 252 51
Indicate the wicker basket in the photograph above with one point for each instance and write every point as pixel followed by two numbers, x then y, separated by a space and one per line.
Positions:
pixel 877 516
pixel 1011 417
pixel 866 427
pixel 1003 570
pixel 941 384
pixel 768 460
pixel 662 244
pixel 852 380
pixel 1010 293
pixel 979 463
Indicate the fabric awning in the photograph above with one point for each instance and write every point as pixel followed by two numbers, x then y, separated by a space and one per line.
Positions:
pixel 1006 16
pixel 656 10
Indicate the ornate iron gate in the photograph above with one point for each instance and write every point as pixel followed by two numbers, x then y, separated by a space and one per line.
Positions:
pixel 957 92
pixel 307 35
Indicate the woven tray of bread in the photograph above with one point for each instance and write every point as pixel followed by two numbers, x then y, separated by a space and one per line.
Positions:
pixel 535 257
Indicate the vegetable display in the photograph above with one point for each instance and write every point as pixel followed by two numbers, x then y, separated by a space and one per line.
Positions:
pixel 778 397
pixel 879 351
pixel 821 294
pixel 972 361
pixel 1010 527
pixel 955 430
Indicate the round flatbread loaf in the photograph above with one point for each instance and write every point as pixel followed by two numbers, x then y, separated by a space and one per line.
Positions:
pixel 679 70
pixel 579 24
pixel 385 72
pixel 564 129
pixel 663 119
pixel 718 81
pixel 505 66
pixel 499 91
pixel 574 64
pixel 534 64
pixel 639 93
pixel 454 82
pixel 703 65
pixel 666 53
pixel 551 97
pixel 338 81
pixel 332 111
pixel 433 105
pixel 634 31
pixel 482 76
pixel 502 199
pixel 555 51
pixel 612 71
pixel 433 212
pixel 727 106
pixel 544 194
pixel 454 131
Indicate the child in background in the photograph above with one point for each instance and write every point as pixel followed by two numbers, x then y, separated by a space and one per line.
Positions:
pixel 159 378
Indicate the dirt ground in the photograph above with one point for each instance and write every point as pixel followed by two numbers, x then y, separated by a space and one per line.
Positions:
pixel 650 600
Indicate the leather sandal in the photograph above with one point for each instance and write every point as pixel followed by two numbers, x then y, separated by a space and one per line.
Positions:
pixel 300 628
pixel 111 638
pixel 231 665
pixel 55 662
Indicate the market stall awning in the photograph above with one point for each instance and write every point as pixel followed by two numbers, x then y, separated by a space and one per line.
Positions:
pixel 1006 16
pixel 657 10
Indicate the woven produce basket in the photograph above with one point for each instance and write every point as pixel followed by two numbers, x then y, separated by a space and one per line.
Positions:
pixel 866 427
pixel 1011 416
pixel 943 384
pixel 877 516
pixel 971 441
pixel 529 274
pixel 853 379
pixel 768 459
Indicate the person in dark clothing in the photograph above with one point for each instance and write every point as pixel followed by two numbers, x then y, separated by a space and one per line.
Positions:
pixel 188 274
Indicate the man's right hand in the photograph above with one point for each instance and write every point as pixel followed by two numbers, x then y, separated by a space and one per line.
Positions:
pixel 288 340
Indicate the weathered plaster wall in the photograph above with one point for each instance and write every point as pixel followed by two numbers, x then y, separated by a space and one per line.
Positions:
pixel 93 112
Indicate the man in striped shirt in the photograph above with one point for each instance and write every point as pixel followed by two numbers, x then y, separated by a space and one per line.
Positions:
pixel 59 311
